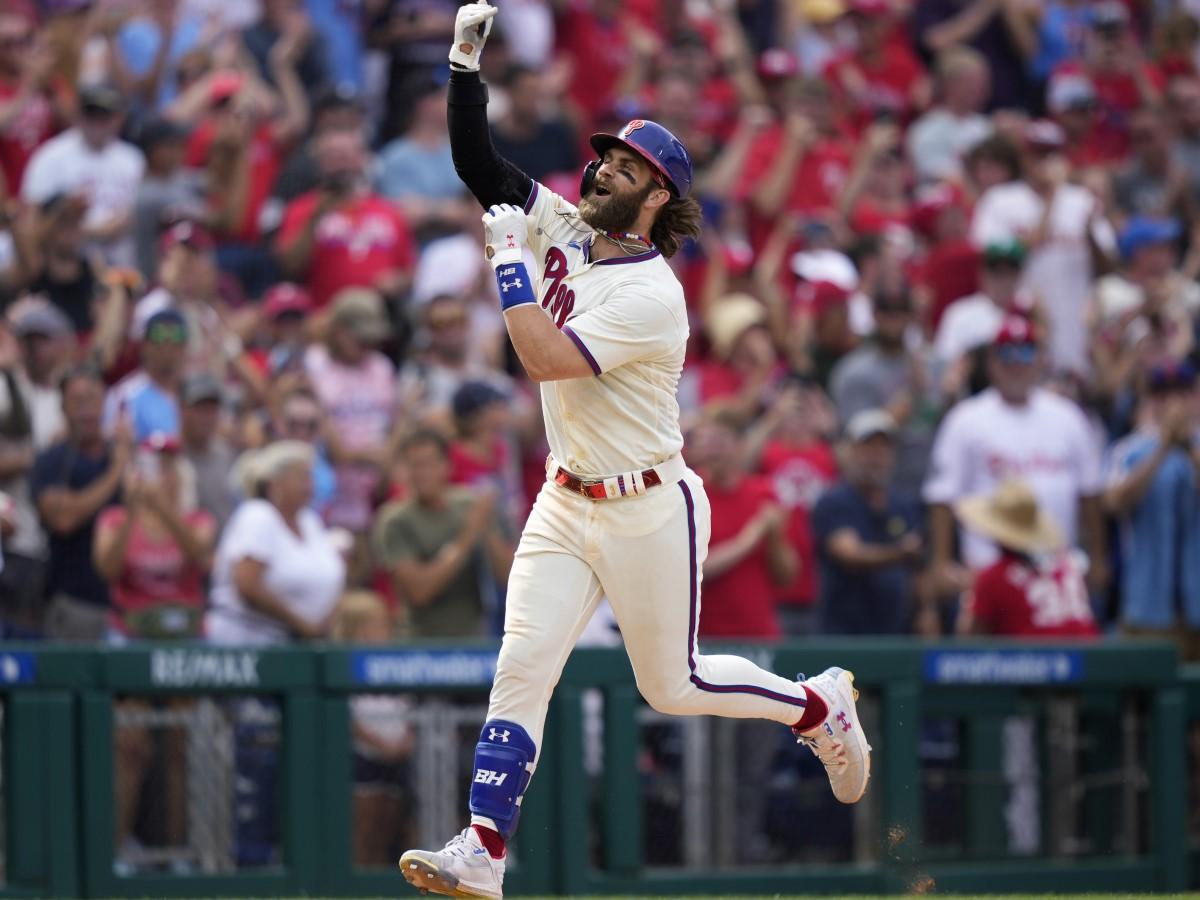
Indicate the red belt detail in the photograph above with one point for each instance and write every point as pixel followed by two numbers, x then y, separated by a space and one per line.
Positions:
pixel 594 490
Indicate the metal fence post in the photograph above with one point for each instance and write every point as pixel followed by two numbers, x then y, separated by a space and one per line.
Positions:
pixel 1169 787
pixel 901 776
pixel 622 806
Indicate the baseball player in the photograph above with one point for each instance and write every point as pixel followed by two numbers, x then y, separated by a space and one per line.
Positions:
pixel 602 327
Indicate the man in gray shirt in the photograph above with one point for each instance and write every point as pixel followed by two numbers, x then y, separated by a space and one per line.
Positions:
pixel 883 373
pixel 210 454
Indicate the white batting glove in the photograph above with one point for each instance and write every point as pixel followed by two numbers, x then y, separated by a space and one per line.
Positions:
pixel 504 231
pixel 472 25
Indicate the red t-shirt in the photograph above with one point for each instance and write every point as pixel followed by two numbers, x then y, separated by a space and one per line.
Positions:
pixel 950 271
pixel 156 571
pixel 799 475
pixel 818 181
pixel 265 163
pixel 600 52
pixel 889 76
pixel 467 468
pixel 24 134
pixel 1118 97
pixel 355 244
pixel 1011 597
pixel 740 603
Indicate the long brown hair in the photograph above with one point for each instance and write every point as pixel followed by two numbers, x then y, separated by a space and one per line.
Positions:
pixel 679 218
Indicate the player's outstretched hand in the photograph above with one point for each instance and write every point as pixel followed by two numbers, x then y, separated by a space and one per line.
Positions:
pixel 504 231
pixel 472 25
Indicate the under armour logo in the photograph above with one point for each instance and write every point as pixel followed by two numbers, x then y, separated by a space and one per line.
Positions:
pixel 493 734
pixel 841 717
pixel 505 285
pixel 512 239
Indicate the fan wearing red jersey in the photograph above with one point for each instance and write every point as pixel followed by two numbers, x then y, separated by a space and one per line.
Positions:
pixel 1036 588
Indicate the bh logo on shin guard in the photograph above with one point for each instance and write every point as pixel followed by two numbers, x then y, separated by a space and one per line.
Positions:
pixel 487 776
pixel 502 736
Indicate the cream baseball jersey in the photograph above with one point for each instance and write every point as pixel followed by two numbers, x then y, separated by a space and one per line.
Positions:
pixel 628 318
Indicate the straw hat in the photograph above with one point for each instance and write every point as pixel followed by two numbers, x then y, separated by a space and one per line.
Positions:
pixel 1012 518
pixel 730 318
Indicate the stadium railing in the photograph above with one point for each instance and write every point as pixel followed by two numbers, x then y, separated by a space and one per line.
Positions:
pixel 1126 706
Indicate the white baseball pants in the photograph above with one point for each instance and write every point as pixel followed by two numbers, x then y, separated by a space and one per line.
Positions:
pixel 645 554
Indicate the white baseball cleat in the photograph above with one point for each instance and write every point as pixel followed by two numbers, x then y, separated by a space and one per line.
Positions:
pixel 463 868
pixel 839 742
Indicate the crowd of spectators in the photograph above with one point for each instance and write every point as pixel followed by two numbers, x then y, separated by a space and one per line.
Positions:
pixel 251 358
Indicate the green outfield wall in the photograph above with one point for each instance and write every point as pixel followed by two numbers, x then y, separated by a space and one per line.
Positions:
pixel 58 757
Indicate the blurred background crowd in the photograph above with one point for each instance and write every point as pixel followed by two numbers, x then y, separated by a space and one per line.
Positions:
pixel 943 311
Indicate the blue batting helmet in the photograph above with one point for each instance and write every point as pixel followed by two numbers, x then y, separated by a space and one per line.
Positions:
pixel 665 152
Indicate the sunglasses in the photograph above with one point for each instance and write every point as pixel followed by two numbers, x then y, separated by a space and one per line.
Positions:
pixel 1021 354
pixel 166 334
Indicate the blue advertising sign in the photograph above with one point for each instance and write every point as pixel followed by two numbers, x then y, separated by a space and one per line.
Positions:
pixel 17 667
pixel 420 668
pixel 1003 666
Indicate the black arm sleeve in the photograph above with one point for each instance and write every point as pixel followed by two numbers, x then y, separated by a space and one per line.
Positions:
pixel 488 175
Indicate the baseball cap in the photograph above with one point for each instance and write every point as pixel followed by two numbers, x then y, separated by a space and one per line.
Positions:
pixel 1109 14
pixel 777 63
pixel 1000 253
pixel 1170 376
pixel 825 296
pixel 101 96
pixel 38 316
pixel 166 326
pixel 159 130
pixel 223 86
pixel 1015 330
pixel 199 387
pixel 188 233
pixel 1144 231
pixel 161 442
pixel 868 423
pixel 286 297
pixel 338 96
pixel 361 312
pixel 931 201
pixel 472 396
pixel 1044 133
pixel 1069 91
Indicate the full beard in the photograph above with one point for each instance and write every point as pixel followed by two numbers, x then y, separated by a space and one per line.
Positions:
pixel 616 212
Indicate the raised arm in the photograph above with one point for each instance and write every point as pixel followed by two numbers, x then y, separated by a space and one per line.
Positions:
pixel 488 175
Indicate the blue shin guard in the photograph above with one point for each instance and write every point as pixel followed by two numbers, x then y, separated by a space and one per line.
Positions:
pixel 503 766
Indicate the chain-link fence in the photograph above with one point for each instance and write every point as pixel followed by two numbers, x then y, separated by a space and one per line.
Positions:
pixel 196 784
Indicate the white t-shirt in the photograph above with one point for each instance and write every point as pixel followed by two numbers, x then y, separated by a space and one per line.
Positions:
pixel 939 139
pixel 967 323
pixel 108 177
pixel 984 441
pixel 1058 272
pixel 628 318
pixel 304 571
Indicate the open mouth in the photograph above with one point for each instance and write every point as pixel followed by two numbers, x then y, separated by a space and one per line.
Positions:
pixel 602 191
